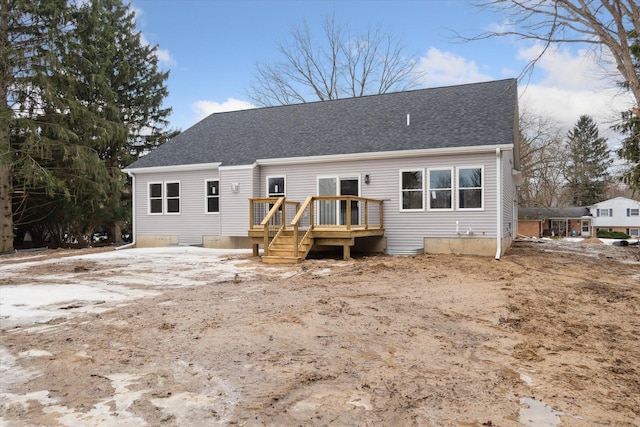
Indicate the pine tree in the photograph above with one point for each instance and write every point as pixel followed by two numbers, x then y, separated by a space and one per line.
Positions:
pixel 82 98
pixel 31 130
pixel 586 170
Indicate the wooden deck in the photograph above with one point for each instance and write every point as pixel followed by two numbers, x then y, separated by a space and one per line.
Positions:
pixel 287 231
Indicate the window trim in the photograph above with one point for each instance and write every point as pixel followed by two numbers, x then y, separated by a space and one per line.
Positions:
pixel 402 190
pixel 637 231
pixel 284 192
pixel 207 196
pixel 633 212
pixel 149 198
pixel 429 189
pixel 167 198
pixel 458 188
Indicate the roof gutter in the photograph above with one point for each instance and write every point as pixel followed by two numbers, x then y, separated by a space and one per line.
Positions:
pixel 499 204
pixel 383 155
pixel 173 168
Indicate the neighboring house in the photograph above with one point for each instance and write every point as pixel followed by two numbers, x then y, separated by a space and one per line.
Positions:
pixel 442 163
pixel 617 214
pixel 539 222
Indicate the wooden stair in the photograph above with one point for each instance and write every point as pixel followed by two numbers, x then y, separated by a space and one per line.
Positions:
pixel 282 249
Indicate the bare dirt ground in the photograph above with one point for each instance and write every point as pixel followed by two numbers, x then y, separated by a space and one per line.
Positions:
pixel 549 335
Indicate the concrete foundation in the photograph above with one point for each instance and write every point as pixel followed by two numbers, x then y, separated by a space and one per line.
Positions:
pixel 465 246
pixel 156 241
pixel 226 242
pixel 213 242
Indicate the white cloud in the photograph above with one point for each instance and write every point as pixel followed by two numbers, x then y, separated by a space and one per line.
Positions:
pixel 205 108
pixel 163 55
pixel 445 68
pixel 569 84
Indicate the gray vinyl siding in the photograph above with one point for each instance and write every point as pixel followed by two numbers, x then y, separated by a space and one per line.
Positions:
pixel 403 230
pixel 192 222
pixel 509 196
pixel 234 207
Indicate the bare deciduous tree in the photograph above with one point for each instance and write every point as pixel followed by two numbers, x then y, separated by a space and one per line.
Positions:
pixel 341 65
pixel 540 157
pixel 610 24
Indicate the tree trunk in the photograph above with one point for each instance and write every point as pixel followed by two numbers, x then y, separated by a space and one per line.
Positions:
pixel 6 211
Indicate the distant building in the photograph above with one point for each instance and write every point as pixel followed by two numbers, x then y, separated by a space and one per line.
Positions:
pixel 617 214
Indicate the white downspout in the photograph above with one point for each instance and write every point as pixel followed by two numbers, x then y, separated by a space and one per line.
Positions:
pixel 498 205
pixel 133 214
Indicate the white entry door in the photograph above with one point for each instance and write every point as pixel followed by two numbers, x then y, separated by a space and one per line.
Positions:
pixel 330 212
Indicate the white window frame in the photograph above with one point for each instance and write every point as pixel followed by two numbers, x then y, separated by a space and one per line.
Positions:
pixel 634 230
pixel 167 198
pixel 161 198
pixel 608 211
pixel 450 189
pixel 458 188
pixel 282 193
pixel 633 212
pixel 402 190
pixel 208 196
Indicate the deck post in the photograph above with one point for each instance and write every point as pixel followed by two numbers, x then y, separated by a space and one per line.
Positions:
pixel 366 214
pixel 256 249
pixel 346 252
pixel 266 240
pixel 250 214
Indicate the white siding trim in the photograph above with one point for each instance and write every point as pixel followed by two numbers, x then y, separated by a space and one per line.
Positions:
pixel 239 167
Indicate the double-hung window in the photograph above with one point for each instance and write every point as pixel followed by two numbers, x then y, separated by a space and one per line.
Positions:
pixel 633 212
pixel 275 186
pixel 604 212
pixel 412 190
pixel 155 198
pixel 470 188
pixel 212 189
pixel 173 197
pixel 440 189
pixel 164 198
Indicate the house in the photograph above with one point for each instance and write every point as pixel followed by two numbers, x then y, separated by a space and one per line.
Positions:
pixel 617 214
pixel 539 222
pixel 430 170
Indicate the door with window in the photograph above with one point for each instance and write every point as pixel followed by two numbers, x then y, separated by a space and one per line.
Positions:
pixel 330 212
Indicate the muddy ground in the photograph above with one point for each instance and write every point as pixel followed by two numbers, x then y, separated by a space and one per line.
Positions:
pixel 549 335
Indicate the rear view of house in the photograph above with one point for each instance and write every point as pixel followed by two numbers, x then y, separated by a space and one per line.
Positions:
pixel 431 170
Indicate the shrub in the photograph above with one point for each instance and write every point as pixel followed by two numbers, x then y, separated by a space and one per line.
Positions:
pixel 612 234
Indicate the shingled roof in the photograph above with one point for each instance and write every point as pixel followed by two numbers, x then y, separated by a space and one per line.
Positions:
pixel 552 213
pixel 455 116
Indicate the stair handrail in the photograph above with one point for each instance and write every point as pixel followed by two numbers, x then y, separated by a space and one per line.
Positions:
pixel 295 223
pixel 265 222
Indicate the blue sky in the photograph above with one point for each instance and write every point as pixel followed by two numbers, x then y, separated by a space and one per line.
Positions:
pixel 211 48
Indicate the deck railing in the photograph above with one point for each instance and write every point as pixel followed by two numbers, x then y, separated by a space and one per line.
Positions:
pixel 272 215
